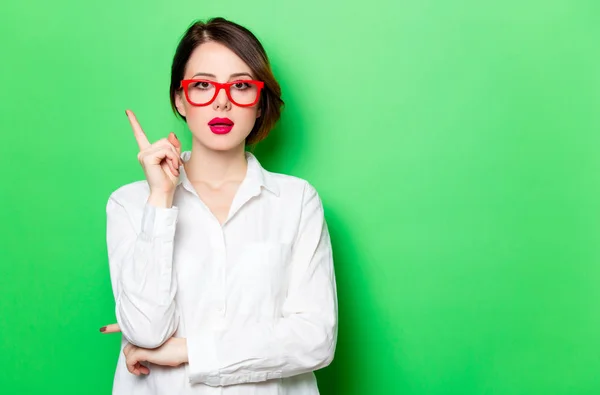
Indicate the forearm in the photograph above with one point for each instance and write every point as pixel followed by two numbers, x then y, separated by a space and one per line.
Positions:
pixel 161 200
pixel 294 344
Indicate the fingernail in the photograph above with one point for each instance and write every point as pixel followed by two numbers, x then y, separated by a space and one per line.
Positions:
pixel 103 329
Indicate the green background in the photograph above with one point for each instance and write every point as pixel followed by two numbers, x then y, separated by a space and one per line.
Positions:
pixel 454 143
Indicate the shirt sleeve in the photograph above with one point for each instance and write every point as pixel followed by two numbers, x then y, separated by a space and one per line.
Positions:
pixel 142 278
pixel 302 340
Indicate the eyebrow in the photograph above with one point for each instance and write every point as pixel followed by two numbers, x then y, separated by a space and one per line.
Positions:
pixel 234 75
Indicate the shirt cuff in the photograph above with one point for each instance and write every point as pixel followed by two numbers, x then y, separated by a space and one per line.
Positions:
pixel 159 222
pixel 204 363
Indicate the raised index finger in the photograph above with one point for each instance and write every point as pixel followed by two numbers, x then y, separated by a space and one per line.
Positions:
pixel 138 132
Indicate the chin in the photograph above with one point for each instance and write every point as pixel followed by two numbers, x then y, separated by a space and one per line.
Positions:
pixel 223 142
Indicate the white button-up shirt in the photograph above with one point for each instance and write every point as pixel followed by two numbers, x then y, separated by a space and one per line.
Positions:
pixel 255 297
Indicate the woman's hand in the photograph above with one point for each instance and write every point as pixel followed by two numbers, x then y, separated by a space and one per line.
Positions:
pixel 160 160
pixel 172 353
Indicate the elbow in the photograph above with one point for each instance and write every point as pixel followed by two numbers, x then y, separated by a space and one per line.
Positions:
pixel 328 357
pixel 148 332
pixel 325 355
pixel 330 342
pixel 323 348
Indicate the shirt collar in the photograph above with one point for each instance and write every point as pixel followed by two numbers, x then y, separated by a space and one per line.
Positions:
pixel 263 178
pixel 256 175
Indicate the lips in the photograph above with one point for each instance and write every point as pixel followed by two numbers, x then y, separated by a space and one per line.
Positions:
pixel 220 122
pixel 220 125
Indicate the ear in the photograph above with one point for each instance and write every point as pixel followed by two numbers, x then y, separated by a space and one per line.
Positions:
pixel 259 112
pixel 179 104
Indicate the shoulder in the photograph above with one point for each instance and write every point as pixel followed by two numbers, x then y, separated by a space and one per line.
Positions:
pixel 134 194
pixel 292 187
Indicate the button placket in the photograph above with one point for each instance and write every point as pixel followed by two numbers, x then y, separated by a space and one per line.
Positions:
pixel 221 303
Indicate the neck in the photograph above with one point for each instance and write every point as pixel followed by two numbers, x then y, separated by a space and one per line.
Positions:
pixel 216 167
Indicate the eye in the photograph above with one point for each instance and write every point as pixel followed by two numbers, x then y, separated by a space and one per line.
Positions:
pixel 202 85
pixel 241 85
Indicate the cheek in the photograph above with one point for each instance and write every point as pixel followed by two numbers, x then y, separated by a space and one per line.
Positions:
pixel 195 111
pixel 198 115
pixel 246 121
pixel 248 115
pixel 197 120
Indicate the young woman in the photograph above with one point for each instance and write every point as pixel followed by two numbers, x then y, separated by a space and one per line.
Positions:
pixel 222 272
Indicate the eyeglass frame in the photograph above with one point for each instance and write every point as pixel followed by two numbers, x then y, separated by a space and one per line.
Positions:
pixel 218 85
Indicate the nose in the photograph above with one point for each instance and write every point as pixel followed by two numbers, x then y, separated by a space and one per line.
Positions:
pixel 221 101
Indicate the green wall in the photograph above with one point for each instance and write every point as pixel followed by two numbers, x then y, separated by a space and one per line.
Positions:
pixel 454 143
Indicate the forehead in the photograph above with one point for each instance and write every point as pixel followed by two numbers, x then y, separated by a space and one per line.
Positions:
pixel 217 59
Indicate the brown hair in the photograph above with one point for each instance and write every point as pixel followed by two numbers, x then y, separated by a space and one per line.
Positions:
pixel 245 45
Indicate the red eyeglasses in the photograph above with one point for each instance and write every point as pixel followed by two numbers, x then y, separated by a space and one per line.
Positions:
pixel 243 93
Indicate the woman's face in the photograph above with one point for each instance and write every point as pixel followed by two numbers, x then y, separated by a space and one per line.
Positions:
pixel 215 62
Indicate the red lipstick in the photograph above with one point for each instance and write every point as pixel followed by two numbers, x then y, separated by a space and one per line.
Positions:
pixel 220 125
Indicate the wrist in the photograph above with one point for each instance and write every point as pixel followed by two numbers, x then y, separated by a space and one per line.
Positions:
pixel 183 352
pixel 162 200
